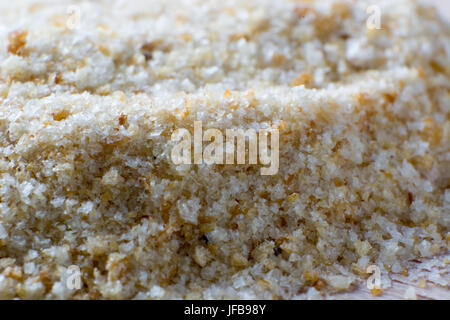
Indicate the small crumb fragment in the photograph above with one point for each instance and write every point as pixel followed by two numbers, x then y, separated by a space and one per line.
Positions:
pixel 17 42
pixel 60 115
pixel 14 272
pixel 304 78
pixel 320 284
pixel 376 291
pixel 311 275
pixel 123 119
pixel 339 282
pixel 58 78
pixel 201 256
pixel 263 283
pixel 278 59
pixel 112 178
pixel 238 260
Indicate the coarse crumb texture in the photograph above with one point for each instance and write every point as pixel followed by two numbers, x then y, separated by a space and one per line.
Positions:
pixel 88 106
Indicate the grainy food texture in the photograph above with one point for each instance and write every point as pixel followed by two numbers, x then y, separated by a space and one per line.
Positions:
pixel 86 116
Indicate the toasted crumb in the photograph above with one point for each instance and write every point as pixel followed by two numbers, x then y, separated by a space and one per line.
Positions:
pixel 311 275
pixel 122 119
pixel 58 78
pixel 376 292
pixel 238 260
pixel 17 42
pixel 13 272
pixel 278 59
pixel 61 115
pixel 303 79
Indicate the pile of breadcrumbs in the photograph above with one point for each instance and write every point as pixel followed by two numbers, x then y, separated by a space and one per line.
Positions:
pixel 91 92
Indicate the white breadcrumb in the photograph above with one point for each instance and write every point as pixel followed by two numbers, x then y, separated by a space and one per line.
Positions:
pixel 88 106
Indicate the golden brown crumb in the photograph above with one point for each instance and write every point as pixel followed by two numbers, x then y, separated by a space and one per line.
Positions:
pixel 14 272
pixel 60 115
pixel 238 260
pixel 122 119
pixel 320 284
pixel 311 275
pixel 17 42
pixel 58 78
pixel 304 78
pixel 278 59
pixel 376 292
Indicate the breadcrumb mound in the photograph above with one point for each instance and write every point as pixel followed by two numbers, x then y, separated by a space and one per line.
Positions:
pixel 90 96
